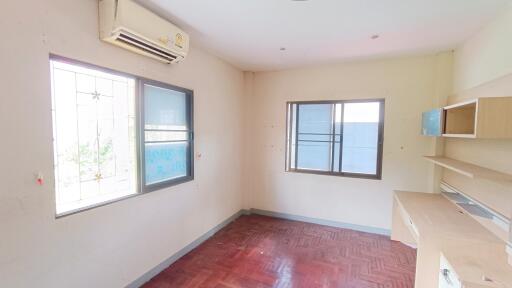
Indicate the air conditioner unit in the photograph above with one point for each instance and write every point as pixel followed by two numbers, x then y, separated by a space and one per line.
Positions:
pixel 131 26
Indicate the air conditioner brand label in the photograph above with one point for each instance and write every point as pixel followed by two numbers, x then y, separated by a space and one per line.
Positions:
pixel 178 41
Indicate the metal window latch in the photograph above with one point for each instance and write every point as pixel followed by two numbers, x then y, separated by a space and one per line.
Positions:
pixel 446 275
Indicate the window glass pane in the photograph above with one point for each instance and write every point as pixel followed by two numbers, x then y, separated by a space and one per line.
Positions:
pixel 164 108
pixel 165 161
pixel 87 123
pixel 94 136
pixel 360 137
pixel 314 156
pixel 104 86
pixel 67 168
pixel 336 157
pixel 315 118
pixel 315 129
pixel 85 83
pixel 166 136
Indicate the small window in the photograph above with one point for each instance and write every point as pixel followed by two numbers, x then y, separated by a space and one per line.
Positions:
pixel 342 138
pixel 167 137
pixel 94 136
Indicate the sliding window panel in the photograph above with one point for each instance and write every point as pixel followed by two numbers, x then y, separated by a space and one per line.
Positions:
pixel 360 146
pixel 314 132
pixel 167 142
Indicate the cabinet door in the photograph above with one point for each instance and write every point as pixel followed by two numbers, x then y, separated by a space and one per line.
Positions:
pixel 432 123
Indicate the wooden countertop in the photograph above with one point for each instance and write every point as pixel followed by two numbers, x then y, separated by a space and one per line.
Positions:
pixel 472 250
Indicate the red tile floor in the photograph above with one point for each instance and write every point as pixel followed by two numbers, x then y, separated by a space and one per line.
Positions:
pixel 260 251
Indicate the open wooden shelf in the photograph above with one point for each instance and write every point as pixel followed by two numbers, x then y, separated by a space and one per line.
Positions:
pixel 460 120
pixel 470 170
pixel 471 136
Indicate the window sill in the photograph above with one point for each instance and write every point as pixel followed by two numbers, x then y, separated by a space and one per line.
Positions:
pixel 84 205
pixel 87 204
pixel 338 174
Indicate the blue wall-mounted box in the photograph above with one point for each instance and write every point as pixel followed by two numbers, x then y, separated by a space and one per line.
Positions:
pixel 432 122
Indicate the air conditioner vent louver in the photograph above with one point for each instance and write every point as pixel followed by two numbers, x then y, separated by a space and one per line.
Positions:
pixel 128 40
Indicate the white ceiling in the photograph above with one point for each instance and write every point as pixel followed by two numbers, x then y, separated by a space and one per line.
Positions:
pixel 250 33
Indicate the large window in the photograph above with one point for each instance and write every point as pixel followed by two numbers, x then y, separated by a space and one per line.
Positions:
pixel 336 137
pixel 116 135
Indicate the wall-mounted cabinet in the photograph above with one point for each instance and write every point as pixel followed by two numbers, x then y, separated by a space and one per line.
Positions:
pixel 489 118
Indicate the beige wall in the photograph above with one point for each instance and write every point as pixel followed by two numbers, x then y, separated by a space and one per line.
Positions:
pixel 409 85
pixel 112 245
pixel 486 56
pixel 483 68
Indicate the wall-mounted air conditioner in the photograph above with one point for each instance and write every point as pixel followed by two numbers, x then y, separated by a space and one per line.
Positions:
pixel 131 26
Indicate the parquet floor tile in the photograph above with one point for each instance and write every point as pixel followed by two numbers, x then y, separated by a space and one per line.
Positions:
pixel 261 252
